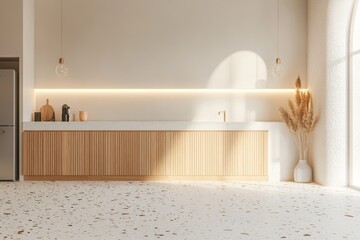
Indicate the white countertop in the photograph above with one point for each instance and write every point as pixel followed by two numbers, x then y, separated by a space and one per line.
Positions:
pixel 112 125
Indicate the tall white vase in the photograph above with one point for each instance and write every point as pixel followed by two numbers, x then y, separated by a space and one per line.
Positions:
pixel 302 172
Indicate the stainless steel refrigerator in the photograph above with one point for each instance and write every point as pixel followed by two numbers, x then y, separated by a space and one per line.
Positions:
pixel 8 125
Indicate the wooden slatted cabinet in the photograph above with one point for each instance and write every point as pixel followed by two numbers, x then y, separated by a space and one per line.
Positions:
pixel 141 155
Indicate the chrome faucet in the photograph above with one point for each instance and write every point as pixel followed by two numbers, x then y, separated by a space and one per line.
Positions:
pixel 224 114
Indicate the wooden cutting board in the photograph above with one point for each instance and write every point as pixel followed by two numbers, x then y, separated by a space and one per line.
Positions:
pixel 47 112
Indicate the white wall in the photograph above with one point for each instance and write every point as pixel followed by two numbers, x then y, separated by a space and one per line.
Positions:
pixel 328 38
pixel 28 60
pixel 162 43
pixel 354 87
pixel 17 40
pixel 170 44
pixel 11 28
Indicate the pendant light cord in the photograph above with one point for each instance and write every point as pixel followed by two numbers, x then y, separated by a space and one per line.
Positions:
pixel 61 28
pixel 278 27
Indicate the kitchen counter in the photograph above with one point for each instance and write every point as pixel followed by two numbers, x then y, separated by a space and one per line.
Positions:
pixel 282 153
pixel 149 126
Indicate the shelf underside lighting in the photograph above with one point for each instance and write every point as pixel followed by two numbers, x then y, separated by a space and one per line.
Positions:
pixel 164 91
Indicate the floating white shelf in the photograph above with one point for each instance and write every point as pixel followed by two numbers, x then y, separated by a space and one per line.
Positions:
pixel 163 90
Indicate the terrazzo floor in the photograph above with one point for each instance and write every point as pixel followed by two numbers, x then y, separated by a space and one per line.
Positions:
pixel 177 210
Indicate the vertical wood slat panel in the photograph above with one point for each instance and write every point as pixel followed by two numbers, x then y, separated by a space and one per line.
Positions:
pixel 32 153
pixel 116 153
pixel 55 153
pixel 74 153
pixel 246 153
pixel 52 153
pixel 146 153
pixel 94 153
pixel 194 153
pixel 265 153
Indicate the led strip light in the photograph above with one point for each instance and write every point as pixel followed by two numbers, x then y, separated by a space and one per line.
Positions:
pixel 164 91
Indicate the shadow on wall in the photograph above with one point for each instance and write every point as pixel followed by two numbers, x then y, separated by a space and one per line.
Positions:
pixel 244 70
pixel 240 70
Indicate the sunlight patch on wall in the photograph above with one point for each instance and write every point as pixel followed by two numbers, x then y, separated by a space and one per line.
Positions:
pixel 243 70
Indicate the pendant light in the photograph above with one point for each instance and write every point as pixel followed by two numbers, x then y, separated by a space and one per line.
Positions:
pixel 61 70
pixel 278 67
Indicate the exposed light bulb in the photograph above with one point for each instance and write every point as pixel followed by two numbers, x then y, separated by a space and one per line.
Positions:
pixel 278 68
pixel 61 69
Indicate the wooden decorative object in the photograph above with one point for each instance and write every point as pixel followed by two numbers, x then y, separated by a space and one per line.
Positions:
pixel 83 116
pixel 47 112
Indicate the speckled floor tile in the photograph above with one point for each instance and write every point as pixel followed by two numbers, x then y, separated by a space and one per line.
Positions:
pixel 177 210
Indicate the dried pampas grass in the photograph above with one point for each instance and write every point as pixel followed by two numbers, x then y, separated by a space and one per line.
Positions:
pixel 300 119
